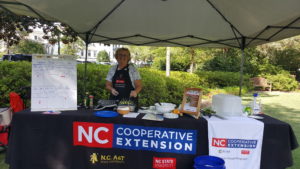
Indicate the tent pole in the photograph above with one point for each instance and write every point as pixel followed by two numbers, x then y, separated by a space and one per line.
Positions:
pixel 85 63
pixel 58 44
pixel 242 64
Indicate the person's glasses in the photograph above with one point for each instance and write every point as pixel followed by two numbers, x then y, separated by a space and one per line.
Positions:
pixel 121 55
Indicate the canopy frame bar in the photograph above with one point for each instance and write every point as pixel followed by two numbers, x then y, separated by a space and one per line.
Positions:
pixel 270 26
pixel 284 28
pixel 94 29
pixel 224 18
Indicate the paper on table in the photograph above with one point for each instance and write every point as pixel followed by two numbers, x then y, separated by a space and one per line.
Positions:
pixel 154 117
pixel 131 115
pixel 51 112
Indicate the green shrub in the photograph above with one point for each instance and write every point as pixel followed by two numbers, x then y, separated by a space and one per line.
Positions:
pixel 13 76
pixel 156 86
pixel 283 82
pixel 95 81
pixel 213 79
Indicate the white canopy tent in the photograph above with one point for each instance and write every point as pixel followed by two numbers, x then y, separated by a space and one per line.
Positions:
pixel 186 23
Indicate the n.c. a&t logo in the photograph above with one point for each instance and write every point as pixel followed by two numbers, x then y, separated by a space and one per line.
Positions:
pixel 93 134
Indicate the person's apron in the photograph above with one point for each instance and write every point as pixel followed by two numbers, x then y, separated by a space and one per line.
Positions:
pixel 122 83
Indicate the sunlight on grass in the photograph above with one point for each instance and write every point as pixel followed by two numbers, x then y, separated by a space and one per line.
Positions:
pixel 285 107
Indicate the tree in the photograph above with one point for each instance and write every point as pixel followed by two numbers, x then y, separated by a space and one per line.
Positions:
pixel 146 54
pixel 284 53
pixel 103 56
pixel 72 48
pixel 12 26
pixel 29 47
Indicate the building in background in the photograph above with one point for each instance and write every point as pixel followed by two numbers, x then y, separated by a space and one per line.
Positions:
pixel 93 48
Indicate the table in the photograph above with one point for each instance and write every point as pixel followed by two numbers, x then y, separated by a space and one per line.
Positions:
pixel 40 141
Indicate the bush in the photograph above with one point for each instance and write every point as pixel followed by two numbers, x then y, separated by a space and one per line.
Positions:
pixel 103 56
pixel 157 87
pixel 176 64
pixel 213 79
pixel 283 82
pixel 14 75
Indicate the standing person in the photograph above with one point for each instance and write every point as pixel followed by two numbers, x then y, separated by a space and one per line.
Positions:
pixel 123 80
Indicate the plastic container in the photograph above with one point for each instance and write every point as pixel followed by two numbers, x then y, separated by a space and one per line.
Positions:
pixel 91 104
pixel 209 162
pixel 5 116
pixel 227 105
pixel 86 100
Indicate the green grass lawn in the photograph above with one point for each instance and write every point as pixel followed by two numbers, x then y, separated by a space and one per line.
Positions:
pixel 283 106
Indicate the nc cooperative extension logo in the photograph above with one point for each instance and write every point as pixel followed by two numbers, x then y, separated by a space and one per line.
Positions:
pixel 234 143
pixel 109 135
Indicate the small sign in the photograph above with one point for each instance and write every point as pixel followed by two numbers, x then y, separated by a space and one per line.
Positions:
pixel 191 102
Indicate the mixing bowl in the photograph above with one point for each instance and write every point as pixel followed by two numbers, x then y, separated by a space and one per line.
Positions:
pixel 123 109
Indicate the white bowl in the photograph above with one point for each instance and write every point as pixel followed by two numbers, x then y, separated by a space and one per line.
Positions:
pixel 171 115
pixel 164 107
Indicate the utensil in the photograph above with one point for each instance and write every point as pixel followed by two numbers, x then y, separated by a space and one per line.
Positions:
pixel 220 117
pixel 256 117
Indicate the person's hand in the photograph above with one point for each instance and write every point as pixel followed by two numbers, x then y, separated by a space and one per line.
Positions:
pixel 114 92
pixel 133 93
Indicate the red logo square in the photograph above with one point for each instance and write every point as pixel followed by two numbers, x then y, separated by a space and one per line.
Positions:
pixel 219 142
pixel 93 134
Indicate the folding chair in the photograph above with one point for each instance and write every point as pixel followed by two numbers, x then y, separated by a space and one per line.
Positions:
pixel 16 104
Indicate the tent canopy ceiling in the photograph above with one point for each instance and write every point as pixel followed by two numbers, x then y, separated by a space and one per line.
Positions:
pixel 190 23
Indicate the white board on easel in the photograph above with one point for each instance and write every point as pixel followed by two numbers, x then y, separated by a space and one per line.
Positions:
pixel 54 83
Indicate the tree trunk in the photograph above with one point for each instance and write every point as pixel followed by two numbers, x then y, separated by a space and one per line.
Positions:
pixel 7 47
pixel 192 65
pixel 168 65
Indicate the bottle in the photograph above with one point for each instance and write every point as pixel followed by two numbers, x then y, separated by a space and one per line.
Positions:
pixel 85 100
pixel 91 105
pixel 255 105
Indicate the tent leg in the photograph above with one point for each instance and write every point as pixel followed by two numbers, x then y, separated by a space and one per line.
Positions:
pixel 241 71
pixel 85 64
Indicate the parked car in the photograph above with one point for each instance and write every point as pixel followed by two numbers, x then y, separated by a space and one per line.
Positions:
pixel 17 57
pixel 104 63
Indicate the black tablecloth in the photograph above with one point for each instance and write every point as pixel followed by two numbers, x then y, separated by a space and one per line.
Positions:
pixel 39 141
pixel 278 141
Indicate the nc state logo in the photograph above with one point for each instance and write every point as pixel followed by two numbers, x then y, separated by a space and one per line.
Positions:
pixel 164 163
